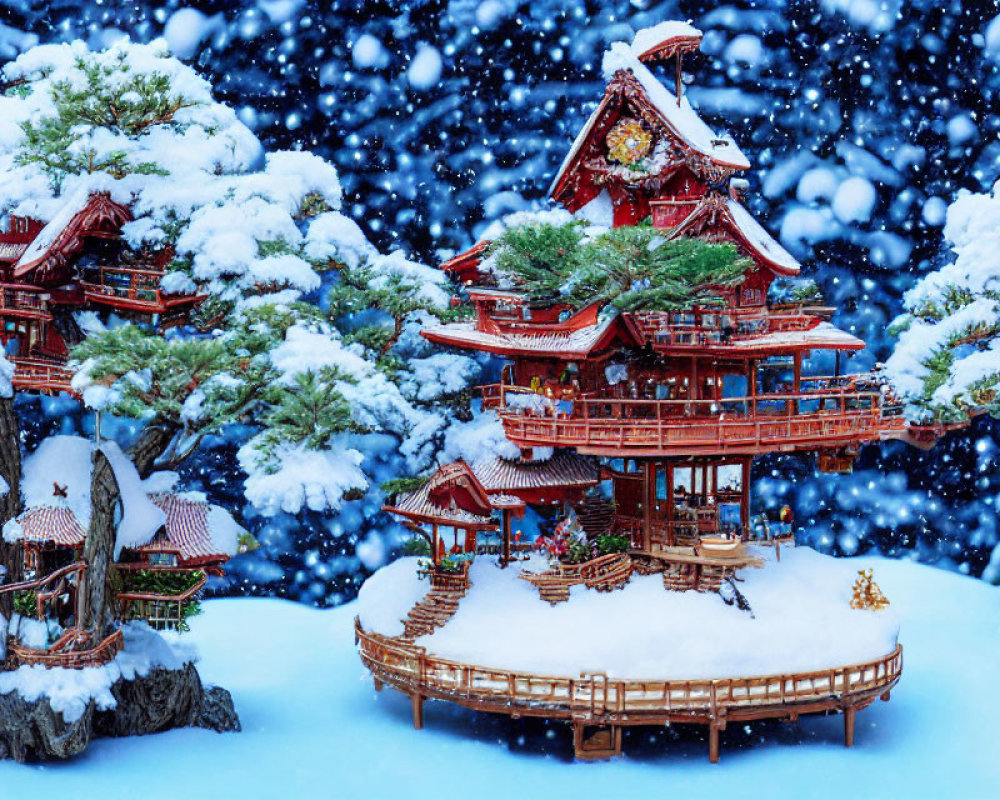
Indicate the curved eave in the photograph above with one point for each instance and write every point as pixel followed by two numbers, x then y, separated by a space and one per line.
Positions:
pixel 501 346
pixel 432 519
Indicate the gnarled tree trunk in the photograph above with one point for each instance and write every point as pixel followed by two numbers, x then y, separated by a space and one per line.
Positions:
pixel 98 600
pixel 151 444
pixel 10 503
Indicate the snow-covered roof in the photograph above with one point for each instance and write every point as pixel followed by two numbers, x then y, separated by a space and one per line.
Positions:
pixel 670 35
pixel 821 337
pixel 196 529
pixel 199 531
pixel 760 239
pixel 681 117
pixel 82 212
pixel 418 505
pixel 569 344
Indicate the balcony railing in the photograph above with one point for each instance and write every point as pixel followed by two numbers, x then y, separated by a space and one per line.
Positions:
pixel 717 328
pixel 825 417
pixel 39 375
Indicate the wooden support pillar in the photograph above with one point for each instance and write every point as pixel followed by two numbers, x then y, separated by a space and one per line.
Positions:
pixel 505 538
pixel 849 713
pixel 797 378
pixel 713 742
pixel 671 514
pixel 745 496
pixel 648 497
pixel 417 701
pixel 435 539
pixel 379 685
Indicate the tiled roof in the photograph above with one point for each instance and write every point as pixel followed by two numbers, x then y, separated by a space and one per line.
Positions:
pixel 187 528
pixel 56 524
pixel 821 337
pixel 418 505
pixel 563 469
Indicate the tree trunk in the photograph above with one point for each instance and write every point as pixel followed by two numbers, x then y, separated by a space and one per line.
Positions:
pixel 98 600
pixel 151 444
pixel 10 504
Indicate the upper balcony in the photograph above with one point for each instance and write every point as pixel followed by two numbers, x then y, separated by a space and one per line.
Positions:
pixel 826 413
pixel 134 289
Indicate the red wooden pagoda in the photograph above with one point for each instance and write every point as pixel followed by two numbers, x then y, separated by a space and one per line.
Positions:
pixel 674 404
pixel 75 262
pixel 643 425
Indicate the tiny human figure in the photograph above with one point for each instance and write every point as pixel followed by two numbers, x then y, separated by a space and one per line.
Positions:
pixel 787 518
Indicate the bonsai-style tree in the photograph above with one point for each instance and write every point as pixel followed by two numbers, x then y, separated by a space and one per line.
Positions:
pixel 631 267
pixel 262 236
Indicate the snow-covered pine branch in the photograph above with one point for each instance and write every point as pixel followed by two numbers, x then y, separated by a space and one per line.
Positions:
pixel 946 363
pixel 260 235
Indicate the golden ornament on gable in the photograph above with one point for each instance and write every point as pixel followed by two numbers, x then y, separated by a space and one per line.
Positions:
pixel 628 142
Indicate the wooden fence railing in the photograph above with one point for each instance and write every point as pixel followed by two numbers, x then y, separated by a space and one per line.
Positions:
pixel 596 696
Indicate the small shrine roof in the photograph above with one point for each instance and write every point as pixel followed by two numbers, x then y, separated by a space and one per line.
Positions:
pixel 765 244
pixel 188 529
pixel 665 40
pixel 51 523
pixel 563 469
pixel 417 505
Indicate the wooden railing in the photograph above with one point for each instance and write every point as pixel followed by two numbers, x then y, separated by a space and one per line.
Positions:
pixel 597 697
pixel 39 375
pixel 159 610
pixel 69 652
pixel 717 327
pixel 824 417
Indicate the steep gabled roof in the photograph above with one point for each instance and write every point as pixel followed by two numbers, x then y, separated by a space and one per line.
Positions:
pixel 630 83
pixel 83 215
pixel 717 212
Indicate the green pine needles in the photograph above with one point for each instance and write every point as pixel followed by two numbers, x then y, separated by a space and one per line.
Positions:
pixel 632 267
pixel 111 97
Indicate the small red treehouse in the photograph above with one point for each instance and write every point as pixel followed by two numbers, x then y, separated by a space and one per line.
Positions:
pixel 665 408
pixel 76 262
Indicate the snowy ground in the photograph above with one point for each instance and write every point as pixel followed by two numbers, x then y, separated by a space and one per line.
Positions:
pixel 802 620
pixel 313 727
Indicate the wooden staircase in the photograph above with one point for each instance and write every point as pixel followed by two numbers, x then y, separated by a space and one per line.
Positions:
pixel 438 606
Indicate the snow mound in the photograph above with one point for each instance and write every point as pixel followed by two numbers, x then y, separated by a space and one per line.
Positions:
pixel 388 595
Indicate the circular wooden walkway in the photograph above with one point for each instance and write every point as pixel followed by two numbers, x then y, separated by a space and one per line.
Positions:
pixel 598 707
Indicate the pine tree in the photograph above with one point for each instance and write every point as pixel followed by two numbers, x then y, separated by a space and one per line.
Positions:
pixel 632 267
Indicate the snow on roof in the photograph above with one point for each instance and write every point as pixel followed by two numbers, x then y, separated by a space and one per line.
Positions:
pixel 82 210
pixel 822 337
pixel 197 529
pixel 681 118
pixel 653 38
pixel 571 344
pixel 562 469
pixel 760 239
pixel 418 505
pixel 51 523
pixel 62 460
pixel 74 204
pixel 141 518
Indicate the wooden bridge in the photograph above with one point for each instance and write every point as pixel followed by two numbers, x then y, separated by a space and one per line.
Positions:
pixel 598 707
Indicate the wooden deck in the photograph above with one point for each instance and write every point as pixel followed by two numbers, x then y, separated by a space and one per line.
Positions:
pixel 595 701
pixel 738 426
